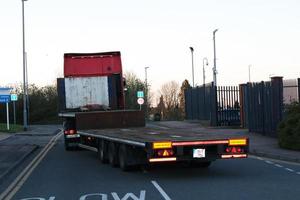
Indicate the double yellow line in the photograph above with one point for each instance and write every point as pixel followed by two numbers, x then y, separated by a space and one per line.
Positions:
pixel 14 187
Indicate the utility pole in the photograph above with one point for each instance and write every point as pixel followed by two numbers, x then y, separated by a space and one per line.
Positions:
pixel 146 92
pixel 25 125
pixel 204 59
pixel 192 52
pixel 249 72
pixel 215 59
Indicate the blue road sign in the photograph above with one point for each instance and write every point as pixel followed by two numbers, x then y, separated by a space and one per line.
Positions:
pixel 4 98
pixel 140 94
pixel 14 97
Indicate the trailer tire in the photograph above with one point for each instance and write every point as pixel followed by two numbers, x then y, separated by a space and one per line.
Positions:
pixel 123 158
pixel 67 146
pixel 113 154
pixel 102 152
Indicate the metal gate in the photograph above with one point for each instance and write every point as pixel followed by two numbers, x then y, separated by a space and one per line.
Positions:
pixel 228 106
pixel 219 105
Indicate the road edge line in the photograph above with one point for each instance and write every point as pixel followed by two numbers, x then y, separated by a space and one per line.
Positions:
pixel 22 177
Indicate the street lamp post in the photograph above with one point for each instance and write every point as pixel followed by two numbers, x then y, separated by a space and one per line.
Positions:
pixel 24 72
pixel 204 59
pixel 215 65
pixel 146 92
pixel 249 72
pixel 192 53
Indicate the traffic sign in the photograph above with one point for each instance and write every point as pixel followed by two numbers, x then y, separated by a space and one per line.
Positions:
pixel 140 101
pixel 4 98
pixel 14 97
pixel 5 91
pixel 140 94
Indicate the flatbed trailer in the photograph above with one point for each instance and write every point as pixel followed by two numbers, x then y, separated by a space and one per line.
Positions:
pixel 133 146
pixel 94 81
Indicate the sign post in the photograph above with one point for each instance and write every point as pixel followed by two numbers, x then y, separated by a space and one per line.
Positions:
pixel 7 116
pixel 5 98
pixel 140 96
pixel 14 98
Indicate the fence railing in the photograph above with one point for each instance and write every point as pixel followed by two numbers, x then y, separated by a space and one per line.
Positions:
pixel 262 106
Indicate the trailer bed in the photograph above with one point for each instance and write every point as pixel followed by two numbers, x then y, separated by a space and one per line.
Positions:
pixel 153 133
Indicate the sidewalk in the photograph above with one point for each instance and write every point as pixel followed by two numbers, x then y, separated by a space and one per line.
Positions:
pixel 260 145
pixel 268 147
pixel 15 148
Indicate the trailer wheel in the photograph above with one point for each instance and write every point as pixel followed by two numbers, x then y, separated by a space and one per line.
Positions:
pixel 102 151
pixel 123 158
pixel 67 146
pixel 112 154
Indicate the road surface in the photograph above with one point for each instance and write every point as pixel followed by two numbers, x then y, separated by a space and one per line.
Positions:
pixel 78 175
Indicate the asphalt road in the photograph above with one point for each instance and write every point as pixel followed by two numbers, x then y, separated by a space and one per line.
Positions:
pixel 79 175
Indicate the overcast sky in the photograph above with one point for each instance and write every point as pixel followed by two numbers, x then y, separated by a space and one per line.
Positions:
pixel 155 34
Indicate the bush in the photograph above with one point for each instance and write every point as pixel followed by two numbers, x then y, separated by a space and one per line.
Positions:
pixel 289 128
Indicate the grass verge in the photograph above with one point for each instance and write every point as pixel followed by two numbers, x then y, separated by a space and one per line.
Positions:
pixel 12 128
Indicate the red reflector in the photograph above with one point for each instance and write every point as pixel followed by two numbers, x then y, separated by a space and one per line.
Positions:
pixel 233 150
pixel 66 132
pixel 165 152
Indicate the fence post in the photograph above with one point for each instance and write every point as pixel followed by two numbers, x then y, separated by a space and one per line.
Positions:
pixel 214 106
pixel 299 90
pixel 242 105
pixel 277 102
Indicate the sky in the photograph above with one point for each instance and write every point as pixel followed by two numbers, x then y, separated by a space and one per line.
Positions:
pixel 155 34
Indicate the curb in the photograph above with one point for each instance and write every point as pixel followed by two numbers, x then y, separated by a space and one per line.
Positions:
pixel 274 156
pixel 39 134
pixel 16 164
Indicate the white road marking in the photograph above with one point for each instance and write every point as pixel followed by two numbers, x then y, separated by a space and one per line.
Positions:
pixel 291 170
pixel 278 165
pixel 269 162
pixel 130 196
pixel 20 180
pixel 259 158
pixel 161 191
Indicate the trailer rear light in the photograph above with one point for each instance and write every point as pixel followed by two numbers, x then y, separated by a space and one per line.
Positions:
pixel 162 159
pixel 234 150
pixel 234 156
pixel 165 152
pixel 162 145
pixel 70 132
pixel 234 142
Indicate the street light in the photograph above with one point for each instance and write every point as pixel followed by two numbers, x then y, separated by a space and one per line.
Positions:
pixel 249 72
pixel 146 92
pixel 192 52
pixel 204 59
pixel 24 72
pixel 215 66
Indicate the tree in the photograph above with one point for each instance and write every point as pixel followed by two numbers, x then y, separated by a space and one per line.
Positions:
pixel 170 92
pixel 161 109
pixel 133 84
pixel 184 86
